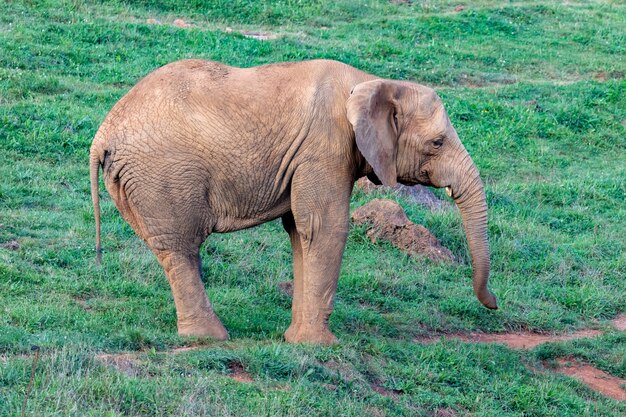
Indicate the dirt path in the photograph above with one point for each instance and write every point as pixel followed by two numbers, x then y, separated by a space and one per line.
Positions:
pixel 522 340
pixel 596 379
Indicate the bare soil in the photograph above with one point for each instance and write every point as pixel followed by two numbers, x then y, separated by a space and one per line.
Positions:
pixel 391 393
pixel 123 362
pixel 445 412
pixel 180 23
pixel 513 340
pixel 593 377
pixel 238 373
pixel 11 245
pixel 620 322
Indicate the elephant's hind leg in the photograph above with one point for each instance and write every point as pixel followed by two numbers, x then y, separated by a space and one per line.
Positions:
pixel 194 313
pixel 296 248
pixel 172 219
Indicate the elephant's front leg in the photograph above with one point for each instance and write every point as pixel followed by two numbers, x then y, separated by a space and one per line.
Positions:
pixel 322 227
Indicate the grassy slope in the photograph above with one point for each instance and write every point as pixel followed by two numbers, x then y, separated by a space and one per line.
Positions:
pixel 546 127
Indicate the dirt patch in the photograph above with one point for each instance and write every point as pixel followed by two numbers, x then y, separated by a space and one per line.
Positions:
pixel 83 303
pixel 619 322
pixel 387 221
pixel 528 340
pixel 261 36
pixel 391 393
pixel 11 245
pixel 594 378
pixel 180 23
pixel 286 288
pixel 611 75
pixel 445 412
pixel 238 373
pixel 4 358
pixel 374 411
pixel 418 194
pixel 483 80
pixel 124 362
pixel 346 372
pixel 512 340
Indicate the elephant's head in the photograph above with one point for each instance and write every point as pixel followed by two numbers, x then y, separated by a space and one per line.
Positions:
pixel 405 135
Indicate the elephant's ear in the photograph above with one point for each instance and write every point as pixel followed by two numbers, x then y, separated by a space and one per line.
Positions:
pixel 371 110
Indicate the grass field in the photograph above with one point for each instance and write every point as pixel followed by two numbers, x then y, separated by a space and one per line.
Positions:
pixel 537 93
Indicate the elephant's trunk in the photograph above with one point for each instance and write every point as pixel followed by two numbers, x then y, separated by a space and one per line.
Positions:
pixel 468 193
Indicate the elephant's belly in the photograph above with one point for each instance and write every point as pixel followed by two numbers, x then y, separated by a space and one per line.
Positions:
pixel 228 222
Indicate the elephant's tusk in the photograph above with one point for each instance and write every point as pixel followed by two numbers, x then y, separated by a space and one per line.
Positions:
pixel 449 191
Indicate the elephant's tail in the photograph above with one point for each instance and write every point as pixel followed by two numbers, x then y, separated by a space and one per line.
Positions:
pixel 95 160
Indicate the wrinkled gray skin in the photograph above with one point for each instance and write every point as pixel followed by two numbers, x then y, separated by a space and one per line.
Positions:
pixel 198 147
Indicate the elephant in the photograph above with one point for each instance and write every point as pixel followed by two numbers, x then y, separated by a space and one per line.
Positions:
pixel 199 147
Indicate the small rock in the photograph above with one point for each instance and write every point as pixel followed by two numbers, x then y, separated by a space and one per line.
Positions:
pixel 153 22
pixel 417 193
pixel 459 8
pixel 11 245
pixel 388 221
pixel 228 30
pixel 180 23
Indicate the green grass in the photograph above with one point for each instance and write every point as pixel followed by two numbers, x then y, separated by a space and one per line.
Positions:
pixel 537 94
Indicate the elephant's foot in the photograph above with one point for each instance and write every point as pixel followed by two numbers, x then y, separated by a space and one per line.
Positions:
pixel 310 334
pixel 292 331
pixel 205 326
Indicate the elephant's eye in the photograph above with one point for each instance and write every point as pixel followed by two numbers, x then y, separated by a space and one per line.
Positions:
pixel 437 143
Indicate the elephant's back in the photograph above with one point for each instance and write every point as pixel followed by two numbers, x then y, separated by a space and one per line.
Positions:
pixel 217 102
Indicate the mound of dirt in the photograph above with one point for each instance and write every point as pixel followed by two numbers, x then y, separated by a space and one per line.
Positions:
pixel 417 194
pixel 387 221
